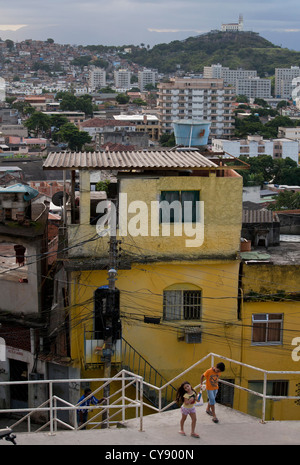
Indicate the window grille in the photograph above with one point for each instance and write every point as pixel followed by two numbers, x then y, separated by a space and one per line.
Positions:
pixel 182 305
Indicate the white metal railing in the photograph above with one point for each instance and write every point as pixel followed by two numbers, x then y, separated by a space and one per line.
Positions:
pixel 120 401
pixel 119 405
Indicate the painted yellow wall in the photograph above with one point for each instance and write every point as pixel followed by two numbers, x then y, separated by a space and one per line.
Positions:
pixel 221 198
pixel 142 295
pixel 265 280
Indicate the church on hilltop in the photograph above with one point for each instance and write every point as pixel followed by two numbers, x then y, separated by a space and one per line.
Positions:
pixel 234 27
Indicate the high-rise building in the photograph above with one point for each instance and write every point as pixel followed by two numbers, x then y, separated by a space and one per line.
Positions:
pixel 230 76
pixel 147 76
pixel 2 90
pixel 283 81
pixel 196 99
pixel 122 79
pixel 97 78
pixel 254 88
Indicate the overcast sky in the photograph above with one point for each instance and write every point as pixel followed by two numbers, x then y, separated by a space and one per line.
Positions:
pixel 124 22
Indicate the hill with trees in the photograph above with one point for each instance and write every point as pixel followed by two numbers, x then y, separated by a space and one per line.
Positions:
pixel 247 50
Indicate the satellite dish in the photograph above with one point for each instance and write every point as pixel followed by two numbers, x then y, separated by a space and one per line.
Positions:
pixel 58 198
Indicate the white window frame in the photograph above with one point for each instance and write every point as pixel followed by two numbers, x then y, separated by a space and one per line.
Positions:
pixel 267 320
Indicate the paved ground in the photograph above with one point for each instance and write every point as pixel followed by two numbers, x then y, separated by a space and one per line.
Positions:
pixel 162 429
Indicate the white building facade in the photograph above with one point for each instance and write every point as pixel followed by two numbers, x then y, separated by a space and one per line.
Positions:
pixel 254 146
pixel 196 99
pixel 147 76
pixel 254 87
pixel 122 78
pixel 97 78
pixel 233 27
pixel 230 76
pixel 283 81
pixel 2 90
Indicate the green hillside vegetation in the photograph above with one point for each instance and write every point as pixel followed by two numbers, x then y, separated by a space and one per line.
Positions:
pixel 247 50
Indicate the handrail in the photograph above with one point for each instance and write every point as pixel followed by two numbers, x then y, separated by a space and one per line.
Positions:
pixel 122 402
pixel 154 387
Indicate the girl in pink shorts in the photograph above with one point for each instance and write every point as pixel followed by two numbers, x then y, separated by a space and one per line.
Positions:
pixel 186 397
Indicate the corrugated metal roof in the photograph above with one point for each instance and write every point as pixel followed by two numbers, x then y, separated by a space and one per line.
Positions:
pixel 29 192
pixel 259 216
pixel 127 160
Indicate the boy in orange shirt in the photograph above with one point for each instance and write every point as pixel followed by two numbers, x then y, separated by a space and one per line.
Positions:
pixel 212 375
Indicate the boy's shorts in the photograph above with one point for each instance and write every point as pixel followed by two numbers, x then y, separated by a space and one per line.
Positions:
pixel 212 394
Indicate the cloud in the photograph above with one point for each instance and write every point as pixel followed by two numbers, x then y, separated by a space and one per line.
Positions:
pixel 291 30
pixel 11 27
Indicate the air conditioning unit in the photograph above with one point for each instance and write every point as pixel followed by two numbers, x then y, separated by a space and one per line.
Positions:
pixel 193 335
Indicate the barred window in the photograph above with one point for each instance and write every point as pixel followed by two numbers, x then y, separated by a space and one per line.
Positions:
pixel 267 328
pixel 182 305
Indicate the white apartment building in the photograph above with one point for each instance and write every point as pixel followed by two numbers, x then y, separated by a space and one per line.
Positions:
pixel 296 91
pixel 122 79
pixel 97 78
pixel 283 81
pixel 2 90
pixel 254 87
pixel 230 76
pixel 289 133
pixel 147 76
pixel 255 145
pixel 196 99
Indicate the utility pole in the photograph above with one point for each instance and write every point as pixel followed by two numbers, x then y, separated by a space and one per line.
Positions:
pixel 110 310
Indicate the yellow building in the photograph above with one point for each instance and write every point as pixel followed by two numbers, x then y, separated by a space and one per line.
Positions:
pixel 271 329
pixel 178 270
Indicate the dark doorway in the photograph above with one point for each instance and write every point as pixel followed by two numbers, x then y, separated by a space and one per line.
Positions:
pixel 18 392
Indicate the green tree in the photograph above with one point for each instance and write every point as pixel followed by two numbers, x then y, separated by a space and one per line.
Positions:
pixel 38 123
pixel 150 86
pixel 68 102
pixel 167 140
pixel 75 139
pixel 103 185
pixel 261 102
pixel 286 171
pixel 242 99
pixel 282 104
pixel 107 90
pixel 286 200
pixel 84 103
pixel 24 108
pixel 57 121
pixel 139 101
pixel 122 99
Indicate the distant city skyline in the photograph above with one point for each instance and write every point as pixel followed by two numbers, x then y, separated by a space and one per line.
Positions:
pixel 132 22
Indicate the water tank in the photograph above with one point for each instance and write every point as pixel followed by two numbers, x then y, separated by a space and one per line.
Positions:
pixel 191 133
